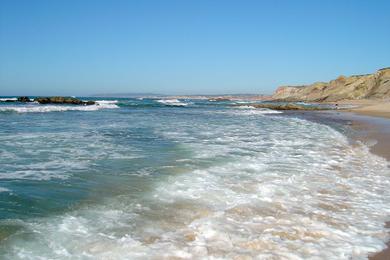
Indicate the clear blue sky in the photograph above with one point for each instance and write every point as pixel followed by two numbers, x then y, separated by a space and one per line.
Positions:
pixel 81 47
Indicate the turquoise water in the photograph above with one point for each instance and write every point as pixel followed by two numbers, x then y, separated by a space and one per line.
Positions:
pixel 145 178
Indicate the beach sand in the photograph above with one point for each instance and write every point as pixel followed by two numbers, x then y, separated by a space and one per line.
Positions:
pixel 370 124
pixel 377 129
pixel 370 120
pixel 375 108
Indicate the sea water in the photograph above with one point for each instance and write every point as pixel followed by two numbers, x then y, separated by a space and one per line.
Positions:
pixel 184 179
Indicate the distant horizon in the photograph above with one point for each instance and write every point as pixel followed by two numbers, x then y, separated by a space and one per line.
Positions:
pixel 141 94
pixel 186 47
pixel 129 95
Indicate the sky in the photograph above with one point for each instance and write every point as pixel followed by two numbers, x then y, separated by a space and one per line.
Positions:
pixel 85 47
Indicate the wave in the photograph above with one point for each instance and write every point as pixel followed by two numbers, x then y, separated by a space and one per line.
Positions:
pixel 249 102
pixel 250 110
pixel 261 111
pixel 246 107
pixel 105 102
pixel 5 99
pixel 257 189
pixel 55 108
pixel 4 190
pixel 172 102
pixel 231 210
pixel 43 171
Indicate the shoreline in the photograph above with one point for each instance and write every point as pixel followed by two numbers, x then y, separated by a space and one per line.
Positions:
pixel 374 108
pixel 371 127
pixel 373 124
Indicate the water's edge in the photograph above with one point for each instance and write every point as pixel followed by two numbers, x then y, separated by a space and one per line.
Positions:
pixel 208 175
pixel 366 129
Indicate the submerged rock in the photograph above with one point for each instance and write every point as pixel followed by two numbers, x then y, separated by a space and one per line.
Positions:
pixel 24 99
pixel 288 106
pixel 89 102
pixel 219 99
pixel 63 100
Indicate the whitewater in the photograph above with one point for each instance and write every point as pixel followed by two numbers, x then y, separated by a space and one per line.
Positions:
pixel 179 179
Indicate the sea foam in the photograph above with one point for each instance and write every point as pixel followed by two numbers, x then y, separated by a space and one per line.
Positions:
pixel 4 189
pixel 251 110
pixel 105 102
pixel 5 99
pixel 172 102
pixel 36 108
pixel 275 188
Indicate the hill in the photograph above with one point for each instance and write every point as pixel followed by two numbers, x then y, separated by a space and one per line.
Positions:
pixel 369 86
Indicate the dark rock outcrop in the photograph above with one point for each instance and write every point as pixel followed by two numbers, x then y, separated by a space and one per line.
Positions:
pixel 219 99
pixel 89 102
pixel 288 106
pixel 63 100
pixel 24 99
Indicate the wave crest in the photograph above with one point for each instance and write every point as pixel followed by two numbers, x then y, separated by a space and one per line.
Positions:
pixel 172 102
pixel 55 108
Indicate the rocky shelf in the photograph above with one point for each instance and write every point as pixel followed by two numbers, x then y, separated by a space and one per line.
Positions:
pixel 52 100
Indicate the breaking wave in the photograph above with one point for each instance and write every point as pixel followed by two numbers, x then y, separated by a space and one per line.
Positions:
pixel 5 99
pixel 250 110
pixel 105 102
pixel 36 108
pixel 4 189
pixel 276 188
pixel 172 102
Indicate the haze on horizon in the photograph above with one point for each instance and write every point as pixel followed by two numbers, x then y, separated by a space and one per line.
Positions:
pixel 186 47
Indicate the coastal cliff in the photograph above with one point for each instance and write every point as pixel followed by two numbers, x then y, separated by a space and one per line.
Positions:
pixel 370 86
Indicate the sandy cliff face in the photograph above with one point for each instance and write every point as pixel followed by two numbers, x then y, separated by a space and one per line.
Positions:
pixel 370 86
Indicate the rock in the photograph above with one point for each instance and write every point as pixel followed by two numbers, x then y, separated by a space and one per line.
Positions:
pixel 24 99
pixel 42 100
pixel 370 86
pixel 63 100
pixel 288 106
pixel 219 99
pixel 89 102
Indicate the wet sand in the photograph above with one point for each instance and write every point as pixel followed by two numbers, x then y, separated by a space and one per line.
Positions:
pixel 367 126
pixel 374 108
pixel 385 254
pixel 374 129
pixel 369 121
pixel 370 125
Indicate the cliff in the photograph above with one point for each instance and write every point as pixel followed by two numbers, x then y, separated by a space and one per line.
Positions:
pixel 370 86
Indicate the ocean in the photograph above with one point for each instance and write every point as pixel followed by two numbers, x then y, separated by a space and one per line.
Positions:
pixel 185 179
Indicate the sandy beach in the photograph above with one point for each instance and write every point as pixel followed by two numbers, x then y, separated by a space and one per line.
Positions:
pixel 375 108
pixel 371 120
pixel 378 130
